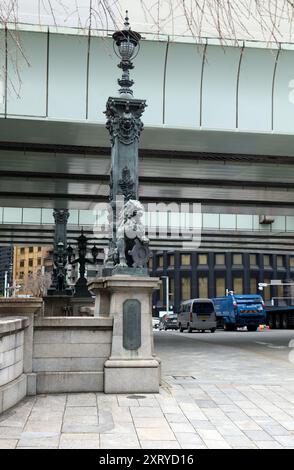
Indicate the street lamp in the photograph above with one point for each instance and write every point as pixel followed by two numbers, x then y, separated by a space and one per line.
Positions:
pixel 166 292
pixel 126 46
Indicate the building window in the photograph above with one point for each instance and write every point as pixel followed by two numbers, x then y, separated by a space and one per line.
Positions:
pixel 238 285
pixel 220 286
pixel 21 275
pixel 21 263
pixel 203 287
pixel 150 263
pixel 267 290
pixel 160 261
pixel 291 261
pixel 186 288
pixel 185 260
pixel 31 263
pixel 280 261
pixel 171 260
pixel 237 258
pixel 39 261
pixel 172 290
pixel 22 251
pixel 253 285
pixel 253 260
pixel 39 248
pixel 31 249
pixel 280 291
pixel 220 258
pixel 266 260
pixel 202 259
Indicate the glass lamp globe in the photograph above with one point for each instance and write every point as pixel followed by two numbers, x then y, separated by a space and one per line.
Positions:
pixel 126 49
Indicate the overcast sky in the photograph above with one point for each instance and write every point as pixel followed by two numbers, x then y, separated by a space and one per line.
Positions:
pixel 164 16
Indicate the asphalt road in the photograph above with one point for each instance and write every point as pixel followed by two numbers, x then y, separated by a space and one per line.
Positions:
pixel 263 355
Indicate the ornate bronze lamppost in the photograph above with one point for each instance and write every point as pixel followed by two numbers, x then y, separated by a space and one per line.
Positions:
pixel 81 289
pixel 128 248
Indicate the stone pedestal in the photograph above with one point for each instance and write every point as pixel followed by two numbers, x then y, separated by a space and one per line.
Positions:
pixel 63 305
pixel 132 366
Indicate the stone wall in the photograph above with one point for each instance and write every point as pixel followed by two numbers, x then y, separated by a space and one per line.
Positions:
pixel 49 354
pixel 13 381
pixel 69 353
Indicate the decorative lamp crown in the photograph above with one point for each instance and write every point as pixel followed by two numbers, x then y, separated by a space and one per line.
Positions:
pixel 126 46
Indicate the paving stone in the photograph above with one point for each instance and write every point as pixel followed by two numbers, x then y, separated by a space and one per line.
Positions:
pixel 81 399
pixel 181 427
pixel 39 439
pixel 83 420
pixel 176 418
pixel 201 424
pixel 45 426
pixel 146 412
pixel 81 411
pixel 151 423
pixel 79 441
pixel 286 441
pixel 275 430
pixel 187 438
pixel 160 445
pixel 81 428
pixel 258 435
pixel 8 443
pixel 155 434
pixel 289 425
pixel 216 444
pixel 268 445
pixel 247 425
pixel 118 441
pixel 209 434
pixel 10 432
pixel 122 428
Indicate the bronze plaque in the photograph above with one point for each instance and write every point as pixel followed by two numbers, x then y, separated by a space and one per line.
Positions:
pixel 131 324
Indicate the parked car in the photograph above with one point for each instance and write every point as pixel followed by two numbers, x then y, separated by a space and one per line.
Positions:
pixel 169 322
pixel 155 322
pixel 197 314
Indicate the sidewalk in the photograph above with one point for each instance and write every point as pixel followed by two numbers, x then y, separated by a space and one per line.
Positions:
pixel 184 415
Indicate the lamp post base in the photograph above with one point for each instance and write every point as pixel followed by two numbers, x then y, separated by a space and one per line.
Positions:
pixel 132 366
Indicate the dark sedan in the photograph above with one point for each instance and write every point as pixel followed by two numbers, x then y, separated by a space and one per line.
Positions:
pixel 169 322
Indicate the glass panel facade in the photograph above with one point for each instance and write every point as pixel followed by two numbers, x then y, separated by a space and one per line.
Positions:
pixel 203 287
pixel 237 258
pixel 185 260
pixel 227 221
pixel 238 285
pixel 171 260
pixel 267 290
pixel 202 259
pixel 253 260
pixel 220 285
pixel 266 260
pixel 220 258
pixel 210 221
pixel 160 261
pixel 253 285
pixel 186 288
pixel 280 261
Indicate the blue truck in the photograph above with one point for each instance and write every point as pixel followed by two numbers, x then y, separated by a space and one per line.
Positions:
pixel 233 311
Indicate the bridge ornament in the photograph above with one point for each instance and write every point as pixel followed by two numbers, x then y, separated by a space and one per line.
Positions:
pixel 128 250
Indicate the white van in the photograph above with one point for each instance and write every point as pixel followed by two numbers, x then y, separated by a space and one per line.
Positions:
pixel 197 314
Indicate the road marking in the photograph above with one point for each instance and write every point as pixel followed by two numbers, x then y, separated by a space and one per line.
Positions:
pixel 270 345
